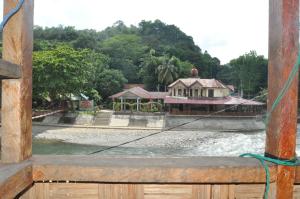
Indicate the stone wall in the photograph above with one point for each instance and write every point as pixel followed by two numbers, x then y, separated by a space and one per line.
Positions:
pixel 137 120
pixel 220 123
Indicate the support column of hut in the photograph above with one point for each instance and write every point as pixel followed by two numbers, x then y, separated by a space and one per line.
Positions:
pixel 17 93
pixel 282 124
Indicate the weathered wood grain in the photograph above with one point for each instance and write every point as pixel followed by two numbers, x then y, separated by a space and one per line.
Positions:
pixel 149 170
pixel 17 94
pixel 283 53
pixel 168 191
pixel 147 191
pixel 121 191
pixel 220 191
pixel 14 178
pixel 201 191
pixel 73 190
pixel 9 70
pixel 247 191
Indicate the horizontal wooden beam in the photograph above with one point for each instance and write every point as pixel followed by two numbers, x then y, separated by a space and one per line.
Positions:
pixel 9 70
pixel 149 170
pixel 14 178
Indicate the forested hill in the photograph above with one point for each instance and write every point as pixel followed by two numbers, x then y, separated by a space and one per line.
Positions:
pixel 69 61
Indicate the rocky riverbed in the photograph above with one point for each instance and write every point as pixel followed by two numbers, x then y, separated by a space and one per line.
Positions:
pixel 65 140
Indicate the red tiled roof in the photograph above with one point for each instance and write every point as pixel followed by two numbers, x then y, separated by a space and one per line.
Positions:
pixel 207 83
pixel 206 101
pixel 142 93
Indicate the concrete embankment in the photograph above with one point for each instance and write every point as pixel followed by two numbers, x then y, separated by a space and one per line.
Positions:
pixel 137 120
pixel 162 121
pixel 217 123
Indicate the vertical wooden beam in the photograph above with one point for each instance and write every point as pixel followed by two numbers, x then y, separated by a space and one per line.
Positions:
pixel 282 126
pixel 17 94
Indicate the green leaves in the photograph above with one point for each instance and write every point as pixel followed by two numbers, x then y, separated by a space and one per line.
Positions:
pixel 126 51
pixel 63 71
pixel 248 73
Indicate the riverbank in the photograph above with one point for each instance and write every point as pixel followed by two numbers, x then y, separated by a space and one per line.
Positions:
pixel 169 143
pixel 148 121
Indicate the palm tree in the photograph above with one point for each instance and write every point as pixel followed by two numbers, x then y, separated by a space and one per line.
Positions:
pixel 167 71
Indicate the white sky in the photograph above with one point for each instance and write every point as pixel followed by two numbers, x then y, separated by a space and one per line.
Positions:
pixel 225 28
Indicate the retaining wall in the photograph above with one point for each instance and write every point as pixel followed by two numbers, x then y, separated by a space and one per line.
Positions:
pixel 220 123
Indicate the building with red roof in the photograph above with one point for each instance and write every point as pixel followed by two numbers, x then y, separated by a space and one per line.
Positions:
pixel 136 96
pixel 200 96
pixel 190 96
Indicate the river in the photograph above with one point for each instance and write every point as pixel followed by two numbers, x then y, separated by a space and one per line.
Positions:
pixel 59 140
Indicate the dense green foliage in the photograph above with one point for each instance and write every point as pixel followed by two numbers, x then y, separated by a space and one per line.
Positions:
pixel 248 73
pixel 62 71
pixel 69 61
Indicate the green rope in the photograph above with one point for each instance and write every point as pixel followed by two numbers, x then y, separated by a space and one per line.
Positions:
pixel 263 159
pixel 285 88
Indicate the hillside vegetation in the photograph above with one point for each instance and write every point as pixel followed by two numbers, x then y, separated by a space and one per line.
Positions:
pixel 68 61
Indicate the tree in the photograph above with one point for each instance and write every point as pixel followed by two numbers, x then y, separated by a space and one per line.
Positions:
pixel 126 51
pixel 167 71
pixel 109 82
pixel 62 71
pixel 248 73
pixel 210 66
pixel 148 70
pixel 87 39
pixel 169 39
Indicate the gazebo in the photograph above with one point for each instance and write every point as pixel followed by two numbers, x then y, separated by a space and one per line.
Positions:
pixel 138 94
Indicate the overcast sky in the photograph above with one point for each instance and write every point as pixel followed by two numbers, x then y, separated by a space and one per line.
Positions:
pixel 225 28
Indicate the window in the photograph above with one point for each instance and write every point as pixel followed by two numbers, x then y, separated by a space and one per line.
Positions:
pixel 179 92
pixel 196 93
pixel 174 92
pixel 210 93
pixel 191 92
pixel 184 92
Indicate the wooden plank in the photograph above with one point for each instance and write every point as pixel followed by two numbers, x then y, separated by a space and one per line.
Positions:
pixel 41 190
pixel 220 191
pixel 9 70
pixel 136 191
pixel 17 94
pixel 201 191
pixel 168 191
pixel 14 179
pixel 297 192
pixel 149 170
pixel 29 194
pixel 73 191
pixel 122 191
pixel 231 189
pixel 283 53
pixel 247 191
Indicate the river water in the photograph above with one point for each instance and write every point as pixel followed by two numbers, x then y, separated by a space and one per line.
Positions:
pixel 49 140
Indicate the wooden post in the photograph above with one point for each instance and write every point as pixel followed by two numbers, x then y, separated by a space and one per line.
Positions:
pixel 283 52
pixel 138 104
pixel 17 93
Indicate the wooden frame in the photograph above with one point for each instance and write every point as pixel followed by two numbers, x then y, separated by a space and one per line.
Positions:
pixel 20 171
pixel 17 93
